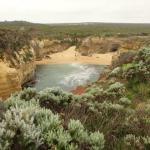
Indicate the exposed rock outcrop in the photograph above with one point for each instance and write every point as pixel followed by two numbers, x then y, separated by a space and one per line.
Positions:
pixel 46 46
pixel 92 45
pixel 9 80
pixel 16 70
pixel 19 67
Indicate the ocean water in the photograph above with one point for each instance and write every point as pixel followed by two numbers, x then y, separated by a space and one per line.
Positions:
pixel 66 76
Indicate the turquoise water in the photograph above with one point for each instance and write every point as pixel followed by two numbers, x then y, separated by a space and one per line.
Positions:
pixel 66 76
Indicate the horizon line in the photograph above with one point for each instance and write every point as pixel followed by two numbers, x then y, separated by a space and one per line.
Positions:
pixel 84 22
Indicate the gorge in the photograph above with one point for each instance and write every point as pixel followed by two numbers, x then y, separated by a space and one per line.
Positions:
pixel 20 67
pixel 103 79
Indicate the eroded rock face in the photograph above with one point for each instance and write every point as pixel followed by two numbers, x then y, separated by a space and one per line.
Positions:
pixel 19 68
pixel 9 80
pixel 46 46
pixel 15 70
pixel 92 45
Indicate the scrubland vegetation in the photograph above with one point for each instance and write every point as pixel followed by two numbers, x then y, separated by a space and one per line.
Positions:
pixel 12 41
pixel 79 30
pixel 114 113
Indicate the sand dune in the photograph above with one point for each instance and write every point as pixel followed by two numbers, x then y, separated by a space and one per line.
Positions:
pixel 72 56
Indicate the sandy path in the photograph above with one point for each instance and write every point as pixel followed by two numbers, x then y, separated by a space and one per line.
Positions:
pixel 71 56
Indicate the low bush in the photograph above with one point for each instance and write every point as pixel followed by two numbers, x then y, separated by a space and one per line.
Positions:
pixel 138 70
pixel 55 99
pixel 28 126
pixel 124 58
pixel 107 116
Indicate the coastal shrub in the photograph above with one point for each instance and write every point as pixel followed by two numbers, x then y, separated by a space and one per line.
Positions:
pixel 77 131
pixel 110 92
pixel 109 115
pixel 106 117
pixel 13 40
pixel 139 69
pixel 76 137
pixel 79 134
pixel 85 97
pixel 95 90
pixel 143 55
pixel 117 87
pixel 124 58
pixel 124 101
pixel 142 91
pixel 138 123
pixel 136 72
pixel 26 125
pixel 80 127
pixel 55 99
pixel 18 130
pixel 136 142
pixel 16 101
pixel 115 72
pixel 27 94
pixel 97 141
pixel 114 91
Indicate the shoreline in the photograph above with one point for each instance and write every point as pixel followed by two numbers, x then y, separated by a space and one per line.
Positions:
pixel 71 56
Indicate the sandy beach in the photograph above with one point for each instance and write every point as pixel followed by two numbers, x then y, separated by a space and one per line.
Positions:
pixel 72 56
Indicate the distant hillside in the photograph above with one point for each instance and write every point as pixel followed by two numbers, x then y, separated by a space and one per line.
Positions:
pixel 80 29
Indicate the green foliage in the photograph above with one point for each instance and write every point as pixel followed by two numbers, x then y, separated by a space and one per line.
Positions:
pixel 124 58
pixel 17 128
pixel 11 40
pixel 133 142
pixel 55 99
pixel 27 94
pixel 79 30
pixel 117 87
pixel 28 126
pixel 111 92
pixel 97 140
pixel 142 91
pixel 143 55
pixel 56 95
pixel 115 71
pixel 138 70
pixel 124 101
pixel 109 115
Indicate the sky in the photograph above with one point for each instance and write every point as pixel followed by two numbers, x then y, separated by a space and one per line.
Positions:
pixel 62 11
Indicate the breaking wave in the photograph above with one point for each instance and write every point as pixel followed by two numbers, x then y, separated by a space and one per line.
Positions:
pixel 81 75
pixel 66 76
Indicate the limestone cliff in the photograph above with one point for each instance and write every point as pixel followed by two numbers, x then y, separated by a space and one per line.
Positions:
pixel 46 46
pixel 9 80
pixel 18 67
pixel 92 45
pixel 15 70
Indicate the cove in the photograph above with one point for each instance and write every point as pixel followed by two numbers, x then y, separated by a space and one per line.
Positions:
pixel 66 76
